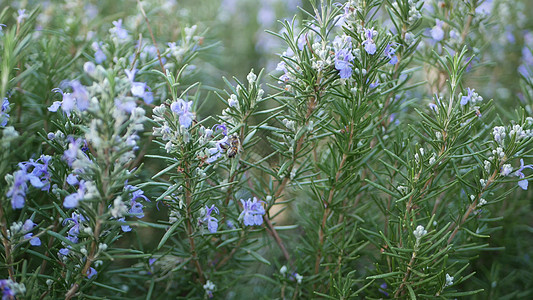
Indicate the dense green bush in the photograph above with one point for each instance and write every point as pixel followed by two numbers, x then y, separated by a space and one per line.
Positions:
pixel 199 149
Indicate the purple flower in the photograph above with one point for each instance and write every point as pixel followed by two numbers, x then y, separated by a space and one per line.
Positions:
pixel 72 179
pixel 216 152
pixel 63 252
pixel 343 59
pixel 252 213
pixel 74 231
pixel 34 241
pixel 79 98
pixel 79 92
pixel 4 117
pixel 125 228
pixel 39 176
pixel 138 193
pixel 138 89
pixel 136 207
pixel 471 97
pixel 17 192
pixel 5 287
pixel 382 289
pixel 73 199
pixel 389 52
pixel 99 55
pixel 212 222
pixel 222 127
pixel 71 154
pixel 183 110
pixel 370 46
pixel 374 84
pixel 437 33
pixel 118 31
pixel 28 226
pixel 22 15
pixel 91 272
pixel 522 183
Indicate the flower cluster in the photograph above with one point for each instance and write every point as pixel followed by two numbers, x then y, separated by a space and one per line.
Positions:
pixel 343 56
pixel 252 213
pixel 34 172
pixel 78 99
pixel 24 229
pixel 10 289
pixel 471 97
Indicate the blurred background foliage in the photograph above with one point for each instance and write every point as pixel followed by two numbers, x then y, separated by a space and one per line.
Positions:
pixel 238 42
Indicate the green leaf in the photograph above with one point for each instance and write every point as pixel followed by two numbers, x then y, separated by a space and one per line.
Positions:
pixel 169 233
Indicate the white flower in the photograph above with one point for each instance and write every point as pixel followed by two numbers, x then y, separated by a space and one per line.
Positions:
pixel 499 133
pixel 506 170
pixel 449 280
pixel 251 77
pixel 283 270
pixel 209 286
pixel 419 232
pixel 298 278
pixel 232 101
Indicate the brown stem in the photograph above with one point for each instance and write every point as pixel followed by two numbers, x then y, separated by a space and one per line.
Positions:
pixel 407 273
pixel 152 36
pixel 275 234
pixel 139 45
pixel 471 207
pixel 230 255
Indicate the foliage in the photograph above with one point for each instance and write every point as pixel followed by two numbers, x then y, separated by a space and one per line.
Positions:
pixel 376 157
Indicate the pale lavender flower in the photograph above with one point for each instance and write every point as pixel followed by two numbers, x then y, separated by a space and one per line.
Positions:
pixel 437 33
pixel 79 98
pixel 136 209
pixel 124 105
pixel 34 241
pixel 71 154
pixel 99 55
pixel 17 192
pixel 471 97
pixel 4 116
pixel 139 89
pixel 5 288
pixel 370 45
pixel 212 222
pixel 39 176
pixel 216 152
pixel 73 199
pixel 21 15
pixel 343 59
pixel 183 110
pixel 63 252
pixel 28 226
pixel 91 272
pixel 524 182
pixel 79 92
pixel 125 228
pixel 389 52
pixel 118 31
pixel 252 213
